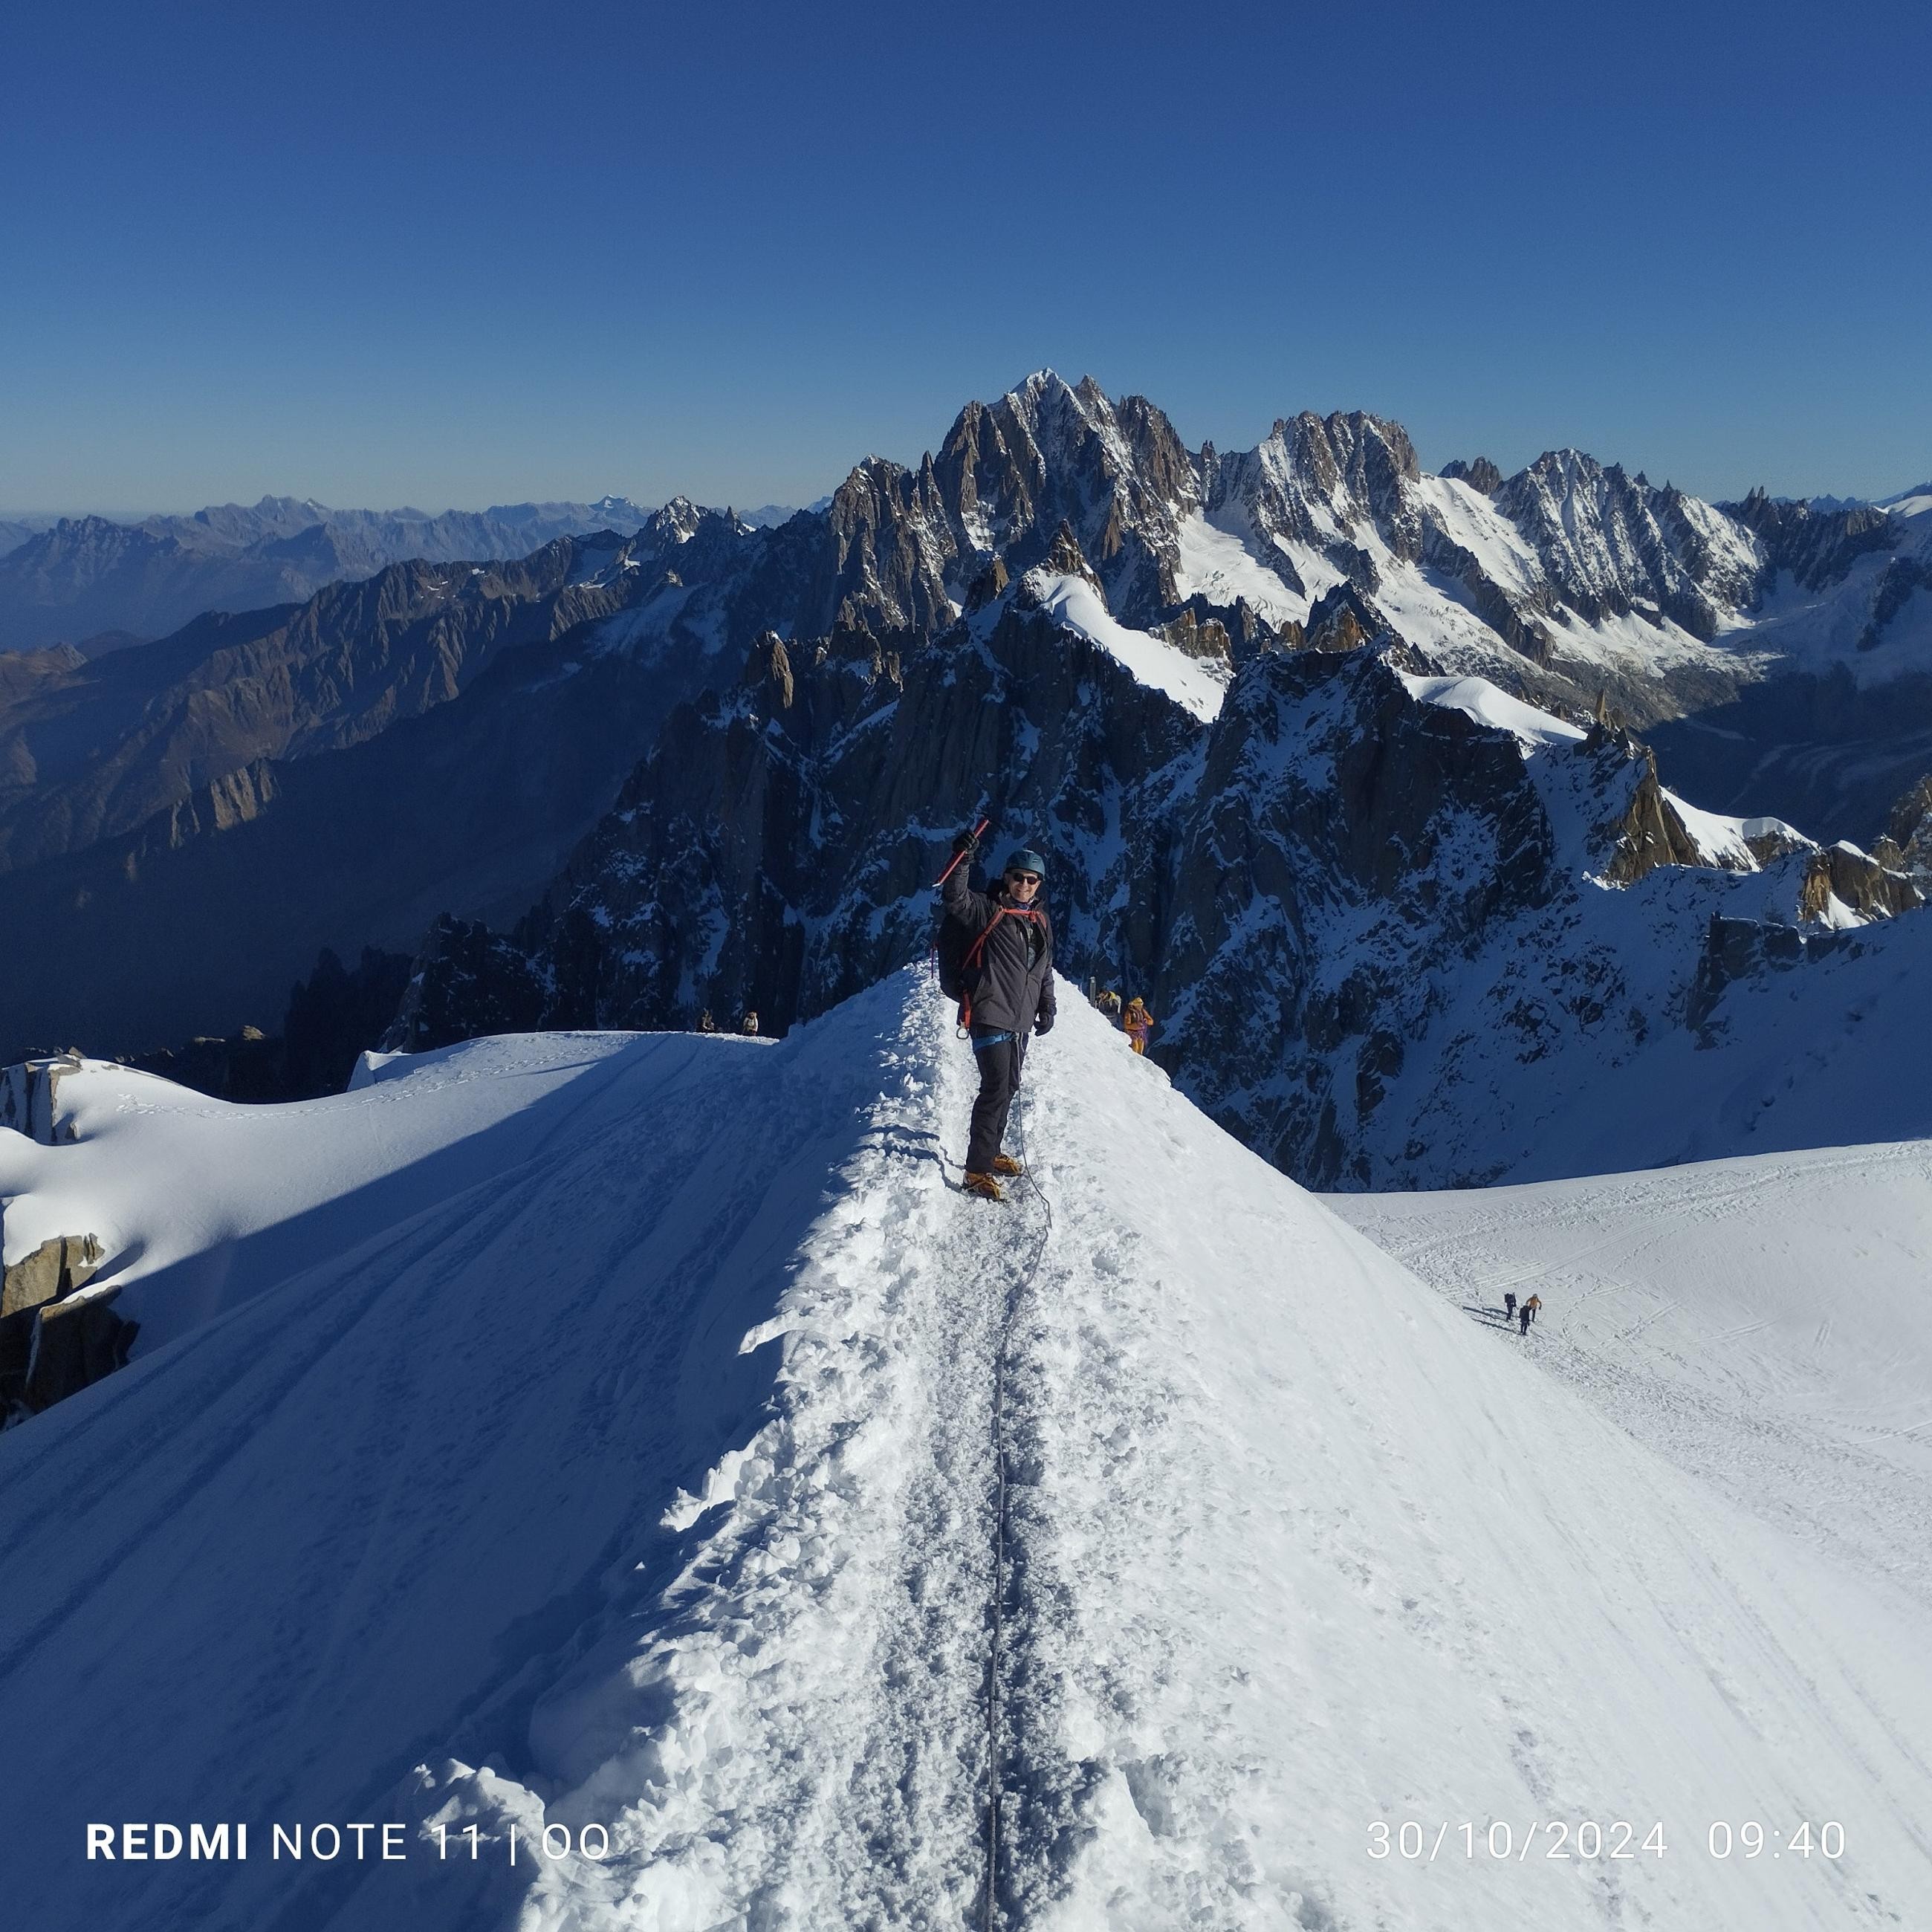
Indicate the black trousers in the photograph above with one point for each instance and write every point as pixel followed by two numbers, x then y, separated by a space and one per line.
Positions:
pixel 1000 1062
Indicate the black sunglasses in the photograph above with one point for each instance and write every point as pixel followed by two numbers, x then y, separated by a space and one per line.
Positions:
pixel 1024 878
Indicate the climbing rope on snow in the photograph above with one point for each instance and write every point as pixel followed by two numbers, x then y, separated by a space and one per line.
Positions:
pixel 1022 1283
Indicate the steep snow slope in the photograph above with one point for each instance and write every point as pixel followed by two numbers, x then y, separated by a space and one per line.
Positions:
pixel 1197 687
pixel 1297 1550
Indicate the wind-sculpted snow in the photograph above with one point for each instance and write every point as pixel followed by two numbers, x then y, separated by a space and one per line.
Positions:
pixel 647 1484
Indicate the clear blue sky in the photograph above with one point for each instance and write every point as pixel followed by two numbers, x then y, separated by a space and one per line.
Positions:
pixel 456 254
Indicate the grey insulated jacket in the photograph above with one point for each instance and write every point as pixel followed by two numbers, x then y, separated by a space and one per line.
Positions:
pixel 1014 985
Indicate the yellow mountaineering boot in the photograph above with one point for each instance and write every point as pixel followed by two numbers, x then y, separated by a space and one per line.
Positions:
pixel 984 1186
pixel 1004 1163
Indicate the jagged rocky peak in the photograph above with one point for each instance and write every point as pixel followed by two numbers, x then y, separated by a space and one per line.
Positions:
pixel 1650 832
pixel 1906 843
pixel 1045 454
pixel 1610 543
pixel 1841 885
pixel 1315 480
pixel 989 585
pixel 675 523
pixel 1480 474
pixel 892 548
pixel 1065 558
pixel 1817 546
pixel 1342 619
pixel 770 663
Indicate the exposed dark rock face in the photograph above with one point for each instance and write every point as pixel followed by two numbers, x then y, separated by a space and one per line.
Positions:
pixel 54 1270
pixel 1651 832
pixel 1200 636
pixel 1481 474
pixel 28 1091
pixel 1906 845
pixel 244 1066
pixel 71 1346
pixel 1309 467
pixel 334 1015
pixel 1903 576
pixel 54 1337
pixel 1342 619
pixel 892 551
pixel 1012 473
pixel 1856 881
pixel 1817 548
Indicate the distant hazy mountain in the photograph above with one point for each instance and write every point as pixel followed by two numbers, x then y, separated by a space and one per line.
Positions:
pixel 14 531
pixel 87 575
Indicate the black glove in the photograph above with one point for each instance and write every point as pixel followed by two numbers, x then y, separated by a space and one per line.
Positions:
pixel 1043 1023
pixel 966 841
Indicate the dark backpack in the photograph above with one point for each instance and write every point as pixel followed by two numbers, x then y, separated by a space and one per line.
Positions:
pixel 950 946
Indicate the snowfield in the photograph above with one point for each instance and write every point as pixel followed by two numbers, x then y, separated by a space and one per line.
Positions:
pixel 616 1451
pixel 1765 1323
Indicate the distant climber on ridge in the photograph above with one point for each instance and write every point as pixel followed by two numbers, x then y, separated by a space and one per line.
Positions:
pixel 1006 975
pixel 1137 1023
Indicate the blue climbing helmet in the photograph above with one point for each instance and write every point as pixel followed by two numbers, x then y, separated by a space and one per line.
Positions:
pixel 1023 859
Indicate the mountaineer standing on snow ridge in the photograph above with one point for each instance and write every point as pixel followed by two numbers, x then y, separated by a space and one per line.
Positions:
pixel 1008 976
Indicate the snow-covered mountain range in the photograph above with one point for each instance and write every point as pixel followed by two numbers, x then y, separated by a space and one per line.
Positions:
pixel 596 1433
pixel 89 581
pixel 1328 754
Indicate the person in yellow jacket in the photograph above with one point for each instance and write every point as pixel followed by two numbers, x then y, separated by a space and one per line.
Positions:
pixel 1137 1023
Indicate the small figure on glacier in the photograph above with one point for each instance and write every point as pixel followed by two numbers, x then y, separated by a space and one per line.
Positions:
pixel 1006 982
pixel 706 1024
pixel 1137 1023
pixel 749 1023
pixel 1526 1314
pixel 1509 1305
